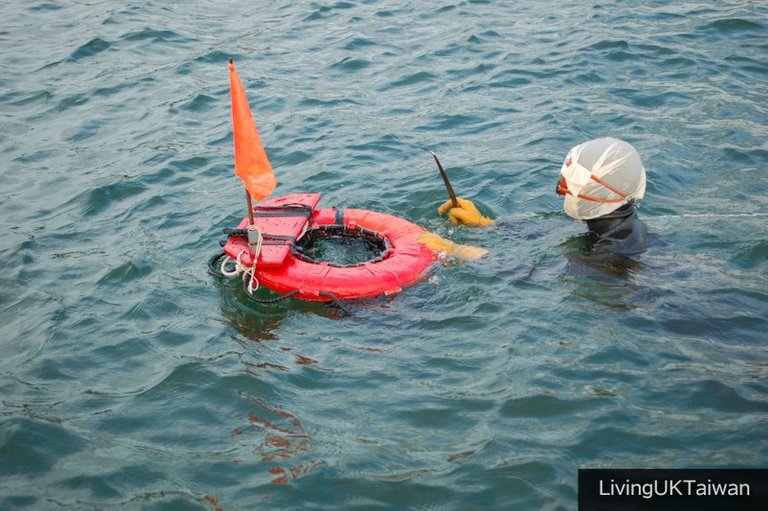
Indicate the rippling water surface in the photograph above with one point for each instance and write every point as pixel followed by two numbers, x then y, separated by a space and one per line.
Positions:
pixel 132 379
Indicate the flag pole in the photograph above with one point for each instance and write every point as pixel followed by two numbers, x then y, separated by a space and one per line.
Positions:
pixel 249 201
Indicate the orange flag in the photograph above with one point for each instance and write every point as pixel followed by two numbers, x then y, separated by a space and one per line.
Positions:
pixel 251 162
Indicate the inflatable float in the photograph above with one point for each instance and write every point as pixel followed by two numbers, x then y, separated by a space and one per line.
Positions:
pixel 272 245
pixel 290 224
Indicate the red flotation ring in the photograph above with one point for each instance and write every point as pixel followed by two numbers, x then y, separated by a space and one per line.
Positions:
pixel 284 222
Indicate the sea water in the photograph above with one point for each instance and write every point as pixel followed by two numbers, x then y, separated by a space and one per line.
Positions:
pixel 130 378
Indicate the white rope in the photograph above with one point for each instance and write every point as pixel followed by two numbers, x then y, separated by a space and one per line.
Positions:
pixel 240 268
pixel 255 245
pixel 237 270
pixel 252 274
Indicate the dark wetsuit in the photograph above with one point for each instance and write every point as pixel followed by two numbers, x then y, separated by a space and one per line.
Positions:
pixel 620 232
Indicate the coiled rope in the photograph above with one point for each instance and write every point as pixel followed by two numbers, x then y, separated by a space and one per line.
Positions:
pixel 251 283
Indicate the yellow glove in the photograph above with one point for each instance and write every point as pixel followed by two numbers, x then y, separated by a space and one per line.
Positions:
pixel 437 244
pixel 466 213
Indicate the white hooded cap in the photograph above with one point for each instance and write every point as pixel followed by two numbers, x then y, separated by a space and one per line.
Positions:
pixel 614 162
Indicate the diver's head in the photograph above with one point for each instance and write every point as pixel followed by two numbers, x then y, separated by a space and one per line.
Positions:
pixel 599 177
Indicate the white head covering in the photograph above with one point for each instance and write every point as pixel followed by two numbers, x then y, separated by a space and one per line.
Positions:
pixel 601 175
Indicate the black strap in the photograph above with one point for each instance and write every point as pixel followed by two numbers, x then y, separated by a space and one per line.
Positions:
pixel 243 233
pixel 279 298
pixel 339 216
pixel 278 237
pixel 212 269
pixel 285 210
pixel 263 243
pixel 335 301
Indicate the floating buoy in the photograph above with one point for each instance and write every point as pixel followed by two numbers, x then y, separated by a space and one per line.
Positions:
pixel 280 259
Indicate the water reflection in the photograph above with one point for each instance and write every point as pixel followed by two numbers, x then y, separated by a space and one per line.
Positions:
pixel 283 438
pixel 606 279
pixel 278 437
pixel 259 321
